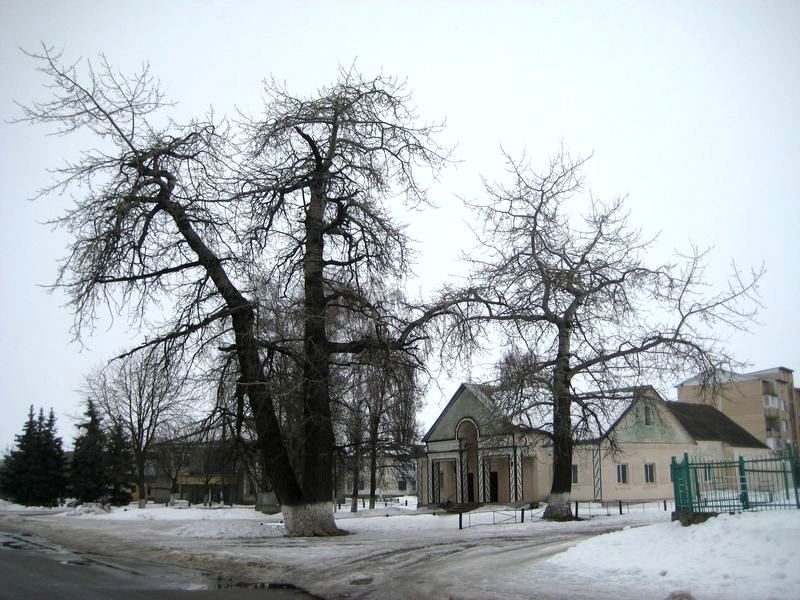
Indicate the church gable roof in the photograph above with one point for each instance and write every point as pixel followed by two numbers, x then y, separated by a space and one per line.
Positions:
pixel 471 400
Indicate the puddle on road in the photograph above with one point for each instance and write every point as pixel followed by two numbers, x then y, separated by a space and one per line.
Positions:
pixel 152 575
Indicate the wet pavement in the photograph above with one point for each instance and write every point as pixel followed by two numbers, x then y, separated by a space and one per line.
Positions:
pixel 32 567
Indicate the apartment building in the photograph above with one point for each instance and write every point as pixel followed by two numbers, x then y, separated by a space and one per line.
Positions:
pixel 765 403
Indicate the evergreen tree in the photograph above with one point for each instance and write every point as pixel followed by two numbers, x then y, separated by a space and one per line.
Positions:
pixel 33 474
pixel 15 475
pixel 54 463
pixel 90 473
pixel 118 464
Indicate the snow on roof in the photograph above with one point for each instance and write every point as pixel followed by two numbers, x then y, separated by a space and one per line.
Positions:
pixel 733 377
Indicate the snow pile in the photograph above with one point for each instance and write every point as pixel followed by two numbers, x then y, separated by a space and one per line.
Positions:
pixel 166 513
pixel 400 504
pixel 753 555
pixel 196 522
pixel 218 529
pixel 5 505
pixel 87 509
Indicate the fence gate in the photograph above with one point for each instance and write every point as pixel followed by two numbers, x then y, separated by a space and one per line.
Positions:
pixel 766 483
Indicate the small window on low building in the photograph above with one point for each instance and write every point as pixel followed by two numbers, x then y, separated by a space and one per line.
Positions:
pixel 360 484
pixel 401 485
pixel 622 473
pixel 648 414
pixel 574 474
pixel 650 473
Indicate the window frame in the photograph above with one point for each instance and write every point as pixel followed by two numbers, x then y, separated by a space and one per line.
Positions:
pixel 650 473
pixel 574 471
pixel 623 475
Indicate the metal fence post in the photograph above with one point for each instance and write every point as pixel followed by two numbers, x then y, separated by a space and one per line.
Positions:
pixel 674 475
pixel 784 467
pixel 460 522
pixel 793 467
pixel 743 485
pixel 691 484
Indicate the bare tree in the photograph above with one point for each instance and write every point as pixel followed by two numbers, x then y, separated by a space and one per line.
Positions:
pixel 583 313
pixel 139 395
pixel 173 449
pixel 194 218
pixel 353 415
pixel 390 392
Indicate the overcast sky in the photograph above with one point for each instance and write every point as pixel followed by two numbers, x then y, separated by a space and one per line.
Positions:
pixel 692 111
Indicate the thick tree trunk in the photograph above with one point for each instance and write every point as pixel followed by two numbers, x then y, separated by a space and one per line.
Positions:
pixel 356 476
pixel 304 497
pixel 306 520
pixel 373 473
pixel 140 483
pixel 558 504
pixel 374 426
pixel 318 442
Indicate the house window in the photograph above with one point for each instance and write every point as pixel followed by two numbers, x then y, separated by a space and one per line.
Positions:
pixel 648 414
pixel 707 473
pixel 622 473
pixel 360 484
pixel 650 473
pixel 401 485
pixel 574 474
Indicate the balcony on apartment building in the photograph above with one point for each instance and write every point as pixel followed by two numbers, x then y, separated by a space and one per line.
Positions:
pixel 773 406
pixel 776 430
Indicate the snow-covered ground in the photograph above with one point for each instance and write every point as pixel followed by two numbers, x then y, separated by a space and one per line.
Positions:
pixel 398 552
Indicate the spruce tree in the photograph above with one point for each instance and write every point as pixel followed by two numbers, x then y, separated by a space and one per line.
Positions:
pixel 33 474
pixel 15 475
pixel 90 473
pixel 118 463
pixel 54 463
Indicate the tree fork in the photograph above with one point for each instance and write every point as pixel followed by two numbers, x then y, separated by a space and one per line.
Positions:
pixel 275 456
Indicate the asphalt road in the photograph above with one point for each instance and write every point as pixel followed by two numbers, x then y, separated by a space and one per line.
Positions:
pixel 31 568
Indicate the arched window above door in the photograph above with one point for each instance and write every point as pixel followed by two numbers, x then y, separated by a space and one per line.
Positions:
pixel 467 433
